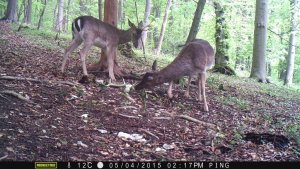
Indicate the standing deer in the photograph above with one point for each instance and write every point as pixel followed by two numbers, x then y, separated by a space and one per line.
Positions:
pixel 194 59
pixel 92 31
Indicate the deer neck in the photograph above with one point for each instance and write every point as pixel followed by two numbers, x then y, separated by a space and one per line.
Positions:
pixel 124 36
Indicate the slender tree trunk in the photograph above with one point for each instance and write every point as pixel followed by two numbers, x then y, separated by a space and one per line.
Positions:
pixel 145 23
pixel 292 51
pixel 28 12
pixel 60 16
pixel 21 10
pixel 66 25
pixel 121 12
pixel 196 21
pixel 100 9
pixel 40 24
pixel 258 69
pixel 163 28
pixel 11 11
pixel 157 10
pixel 54 16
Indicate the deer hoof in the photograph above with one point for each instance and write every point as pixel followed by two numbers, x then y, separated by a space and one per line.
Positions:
pixel 84 79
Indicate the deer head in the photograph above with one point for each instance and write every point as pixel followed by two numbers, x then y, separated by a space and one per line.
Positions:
pixel 136 33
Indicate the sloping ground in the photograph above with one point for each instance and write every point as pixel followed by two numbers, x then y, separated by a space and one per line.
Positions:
pixel 63 122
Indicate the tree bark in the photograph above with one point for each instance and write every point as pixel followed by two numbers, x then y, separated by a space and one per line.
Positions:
pixel 40 24
pixel 258 69
pixel 145 23
pixel 163 28
pixel 292 43
pixel 28 12
pixel 11 11
pixel 60 16
pixel 111 17
pixel 196 21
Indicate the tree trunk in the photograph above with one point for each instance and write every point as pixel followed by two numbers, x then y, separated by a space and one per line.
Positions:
pixel 40 24
pixel 121 12
pixel 66 22
pixel 196 21
pixel 111 17
pixel 11 11
pixel 28 12
pixel 291 55
pixel 258 69
pixel 157 10
pixel 222 46
pixel 100 4
pixel 163 28
pixel 145 23
pixel 60 16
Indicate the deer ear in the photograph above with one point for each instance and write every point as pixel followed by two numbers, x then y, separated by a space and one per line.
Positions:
pixel 131 24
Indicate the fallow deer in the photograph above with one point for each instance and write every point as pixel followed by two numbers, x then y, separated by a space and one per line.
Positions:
pixel 194 59
pixel 92 31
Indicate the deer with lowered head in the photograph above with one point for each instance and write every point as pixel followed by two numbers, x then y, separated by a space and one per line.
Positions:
pixel 194 59
pixel 93 32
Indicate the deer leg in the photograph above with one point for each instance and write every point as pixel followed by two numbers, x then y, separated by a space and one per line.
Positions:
pixel 187 92
pixel 199 87
pixel 170 95
pixel 74 44
pixel 83 53
pixel 202 77
pixel 111 54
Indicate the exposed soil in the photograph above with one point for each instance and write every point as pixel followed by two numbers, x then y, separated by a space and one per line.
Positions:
pixel 58 121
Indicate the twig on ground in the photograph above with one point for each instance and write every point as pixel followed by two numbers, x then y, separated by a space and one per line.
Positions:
pixel 149 133
pixel 127 116
pixel 127 96
pixel 4 157
pixel 196 121
pixel 162 118
pixel 16 95
pixel 35 80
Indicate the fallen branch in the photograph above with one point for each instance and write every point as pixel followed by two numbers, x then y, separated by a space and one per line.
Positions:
pixel 16 95
pixel 4 157
pixel 19 78
pixel 127 116
pixel 196 121
pixel 149 133
pixel 35 80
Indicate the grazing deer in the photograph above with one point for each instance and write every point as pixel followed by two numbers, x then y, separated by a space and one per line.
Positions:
pixel 92 31
pixel 194 59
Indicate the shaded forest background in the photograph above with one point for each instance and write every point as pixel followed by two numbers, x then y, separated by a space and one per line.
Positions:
pixel 237 22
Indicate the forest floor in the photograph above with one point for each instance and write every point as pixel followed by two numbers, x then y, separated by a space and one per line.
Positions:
pixel 51 117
